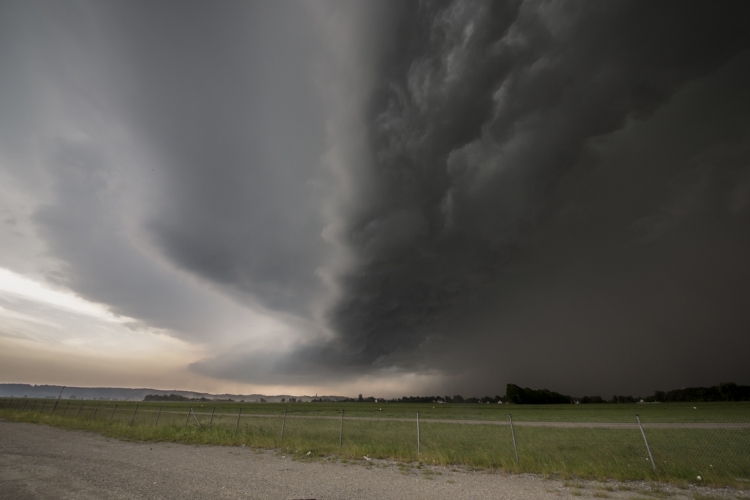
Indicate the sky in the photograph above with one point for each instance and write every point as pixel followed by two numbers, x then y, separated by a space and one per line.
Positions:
pixel 379 197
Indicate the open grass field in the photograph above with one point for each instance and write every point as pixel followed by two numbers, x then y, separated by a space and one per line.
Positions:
pixel 466 435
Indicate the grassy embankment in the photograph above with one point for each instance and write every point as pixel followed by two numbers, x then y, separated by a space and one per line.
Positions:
pixel 719 456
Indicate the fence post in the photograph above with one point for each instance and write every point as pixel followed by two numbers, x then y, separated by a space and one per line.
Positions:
pixel 513 433
pixel 194 416
pixel 212 416
pixel 25 402
pixel 113 412
pixel 133 417
pixel 646 441
pixel 58 399
pixel 341 429
pixel 239 414
pixel 418 444
pixel 33 406
pixel 41 410
pixel 157 417
pixel 95 410
pixel 187 419
pixel 66 408
pixel 79 410
pixel 283 421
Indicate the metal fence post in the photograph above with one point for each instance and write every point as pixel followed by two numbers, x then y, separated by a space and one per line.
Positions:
pixel 283 421
pixel 58 399
pixel 418 444
pixel 341 429
pixel 41 410
pixel 194 416
pixel 113 412
pixel 33 406
pixel 25 402
pixel 157 417
pixel 95 410
pixel 66 408
pixel 133 417
pixel 653 464
pixel 212 416
pixel 513 433
pixel 187 419
pixel 239 414
pixel 79 410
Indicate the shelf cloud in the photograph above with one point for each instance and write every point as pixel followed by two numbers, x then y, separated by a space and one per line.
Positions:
pixel 432 196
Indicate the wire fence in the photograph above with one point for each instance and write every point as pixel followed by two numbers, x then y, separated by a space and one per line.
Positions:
pixel 705 450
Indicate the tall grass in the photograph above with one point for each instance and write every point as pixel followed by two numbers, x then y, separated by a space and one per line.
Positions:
pixel 720 456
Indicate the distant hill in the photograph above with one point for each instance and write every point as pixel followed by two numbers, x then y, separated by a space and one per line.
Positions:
pixel 125 394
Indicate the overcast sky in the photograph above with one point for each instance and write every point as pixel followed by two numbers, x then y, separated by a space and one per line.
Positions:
pixel 387 198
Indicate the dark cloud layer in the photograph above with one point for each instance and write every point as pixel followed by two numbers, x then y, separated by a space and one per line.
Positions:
pixel 481 126
pixel 547 193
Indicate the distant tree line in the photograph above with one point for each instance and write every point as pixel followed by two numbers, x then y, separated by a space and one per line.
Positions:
pixel 526 396
pixel 723 392
pixel 457 399
pixel 176 397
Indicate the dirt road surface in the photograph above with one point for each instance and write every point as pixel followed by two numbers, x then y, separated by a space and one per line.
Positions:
pixel 40 462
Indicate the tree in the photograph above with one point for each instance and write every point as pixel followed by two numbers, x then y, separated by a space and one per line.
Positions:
pixel 519 395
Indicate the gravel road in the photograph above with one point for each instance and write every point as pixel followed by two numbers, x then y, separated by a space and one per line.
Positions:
pixel 40 462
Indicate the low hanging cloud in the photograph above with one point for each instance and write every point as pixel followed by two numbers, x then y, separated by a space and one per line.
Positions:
pixel 482 120
pixel 454 195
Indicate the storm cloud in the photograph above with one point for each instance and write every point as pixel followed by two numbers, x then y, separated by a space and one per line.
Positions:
pixel 457 195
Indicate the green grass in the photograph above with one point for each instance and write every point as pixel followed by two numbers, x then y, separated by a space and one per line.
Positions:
pixel 720 456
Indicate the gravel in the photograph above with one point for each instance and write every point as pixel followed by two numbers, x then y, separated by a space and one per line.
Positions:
pixel 40 462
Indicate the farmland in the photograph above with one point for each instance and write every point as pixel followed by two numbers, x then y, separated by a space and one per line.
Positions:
pixel 687 440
